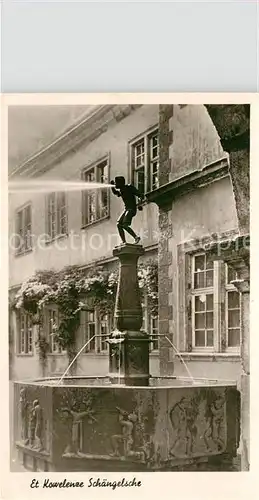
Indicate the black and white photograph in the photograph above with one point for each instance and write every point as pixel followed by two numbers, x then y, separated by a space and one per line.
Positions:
pixel 129 287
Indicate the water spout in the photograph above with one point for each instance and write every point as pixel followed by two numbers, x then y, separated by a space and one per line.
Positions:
pixel 49 186
pixel 73 360
pixel 181 358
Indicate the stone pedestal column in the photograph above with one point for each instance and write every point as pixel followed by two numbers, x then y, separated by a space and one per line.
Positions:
pixel 129 347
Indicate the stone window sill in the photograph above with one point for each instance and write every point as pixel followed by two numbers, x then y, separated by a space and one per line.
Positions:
pixel 23 252
pixel 209 356
pixel 97 221
pixel 63 353
pixel 154 354
pixel 56 238
pixel 94 354
pixel 24 354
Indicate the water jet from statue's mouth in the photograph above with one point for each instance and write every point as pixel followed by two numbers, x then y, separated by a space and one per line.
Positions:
pixel 50 186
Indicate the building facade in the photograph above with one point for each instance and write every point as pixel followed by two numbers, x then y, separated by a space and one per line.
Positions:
pixel 72 228
pixel 199 308
pixel 173 154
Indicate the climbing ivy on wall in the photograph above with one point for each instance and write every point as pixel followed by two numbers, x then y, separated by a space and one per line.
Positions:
pixel 73 289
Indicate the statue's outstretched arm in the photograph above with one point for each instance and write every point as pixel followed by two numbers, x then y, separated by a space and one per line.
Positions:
pixel 116 192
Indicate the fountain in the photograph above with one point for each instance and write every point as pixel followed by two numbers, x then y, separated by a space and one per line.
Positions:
pixel 127 421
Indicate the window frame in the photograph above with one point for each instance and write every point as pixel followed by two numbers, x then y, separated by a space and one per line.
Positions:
pixel 85 323
pixel 185 331
pixel 153 349
pixel 19 350
pixel 97 324
pixel 100 339
pixel 57 234
pixel 205 291
pixel 97 193
pixel 148 175
pixel 147 325
pixel 231 288
pixel 21 210
pixel 54 352
pixel 153 160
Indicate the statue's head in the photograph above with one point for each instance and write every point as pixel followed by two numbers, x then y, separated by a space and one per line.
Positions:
pixel 185 403
pixel 132 417
pixel 219 402
pixel 35 402
pixel 119 182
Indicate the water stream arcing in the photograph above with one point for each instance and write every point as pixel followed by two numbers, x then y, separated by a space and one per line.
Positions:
pixel 181 358
pixel 73 360
pixel 50 186
pixel 88 342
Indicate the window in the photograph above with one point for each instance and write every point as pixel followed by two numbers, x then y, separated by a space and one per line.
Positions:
pixel 154 160
pixel 203 329
pixel 96 201
pixel 154 331
pixel 95 329
pixel 203 272
pixel 56 215
pixel 213 322
pixel 145 162
pixel 150 325
pixel 25 334
pixel 233 311
pixel 89 330
pixel 104 331
pixel 203 302
pixel 52 325
pixel 23 230
pixel 144 315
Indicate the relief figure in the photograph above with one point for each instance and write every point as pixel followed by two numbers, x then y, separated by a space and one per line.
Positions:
pixel 123 444
pixel 36 425
pixel 76 439
pixel 216 430
pixel 24 415
pixel 181 416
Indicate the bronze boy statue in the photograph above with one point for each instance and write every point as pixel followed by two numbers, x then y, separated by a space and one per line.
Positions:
pixel 128 193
